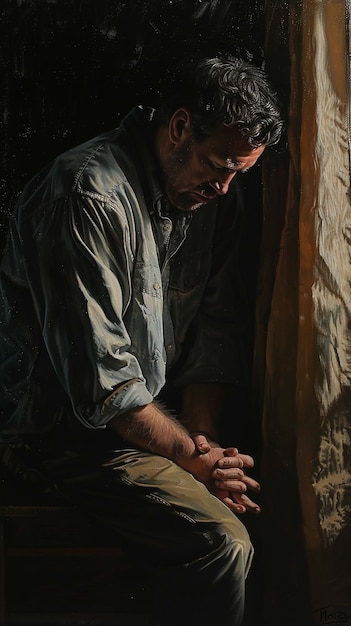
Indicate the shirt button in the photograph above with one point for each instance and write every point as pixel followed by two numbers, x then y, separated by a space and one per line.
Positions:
pixel 156 286
pixel 166 227
pixel 169 347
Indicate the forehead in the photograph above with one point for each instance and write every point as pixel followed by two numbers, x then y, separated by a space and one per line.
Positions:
pixel 228 145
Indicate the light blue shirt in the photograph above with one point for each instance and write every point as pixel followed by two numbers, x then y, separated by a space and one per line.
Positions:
pixel 105 288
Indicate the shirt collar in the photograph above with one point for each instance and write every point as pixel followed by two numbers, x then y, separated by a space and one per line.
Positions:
pixel 140 126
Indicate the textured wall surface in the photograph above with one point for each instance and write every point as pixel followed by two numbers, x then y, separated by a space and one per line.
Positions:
pixel 307 409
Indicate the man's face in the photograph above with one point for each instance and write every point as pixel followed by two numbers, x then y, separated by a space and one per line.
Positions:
pixel 195 173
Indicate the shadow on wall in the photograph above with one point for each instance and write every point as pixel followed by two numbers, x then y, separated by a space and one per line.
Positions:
pixel 332 485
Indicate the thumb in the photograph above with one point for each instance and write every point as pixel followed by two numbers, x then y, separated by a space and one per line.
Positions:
pixel 201 443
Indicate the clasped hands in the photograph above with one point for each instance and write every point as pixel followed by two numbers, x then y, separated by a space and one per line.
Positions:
pixel 228 480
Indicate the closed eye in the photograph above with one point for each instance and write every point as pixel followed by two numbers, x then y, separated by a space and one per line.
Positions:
pixel 228 170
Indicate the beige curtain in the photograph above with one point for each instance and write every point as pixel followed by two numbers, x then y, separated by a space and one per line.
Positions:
pixel 304 323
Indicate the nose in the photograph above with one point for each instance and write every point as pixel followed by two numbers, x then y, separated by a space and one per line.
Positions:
pixel 222 182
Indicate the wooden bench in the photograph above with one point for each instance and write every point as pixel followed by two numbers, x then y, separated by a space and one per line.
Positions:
pixel 57 567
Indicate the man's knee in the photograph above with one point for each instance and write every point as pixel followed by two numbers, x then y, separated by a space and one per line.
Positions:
pixel 235 549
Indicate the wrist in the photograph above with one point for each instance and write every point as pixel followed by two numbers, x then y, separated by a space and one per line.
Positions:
pixel 185 457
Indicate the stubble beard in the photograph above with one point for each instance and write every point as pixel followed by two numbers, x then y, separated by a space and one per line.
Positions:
pixel 175 163
pixel 182 201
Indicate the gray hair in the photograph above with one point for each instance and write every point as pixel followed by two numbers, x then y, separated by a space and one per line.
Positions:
pixel 222 91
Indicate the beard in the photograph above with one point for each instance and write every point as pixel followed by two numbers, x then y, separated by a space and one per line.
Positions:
pixel 183 200
pixel 173 167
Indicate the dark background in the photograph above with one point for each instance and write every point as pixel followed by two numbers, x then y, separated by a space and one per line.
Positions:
pixel 71 68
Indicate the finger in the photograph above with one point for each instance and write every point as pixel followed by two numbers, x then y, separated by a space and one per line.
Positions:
pixel 238 460
pixel 243 500
pixel 227 473
pixel 235 480
pixel 251 483
pixel 231 452
pixel 247 460
pixel 230 461
pixel 201 444
pixel 233 506
pixel 231 485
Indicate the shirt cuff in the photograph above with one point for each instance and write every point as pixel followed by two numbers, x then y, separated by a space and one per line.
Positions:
pixel 129 395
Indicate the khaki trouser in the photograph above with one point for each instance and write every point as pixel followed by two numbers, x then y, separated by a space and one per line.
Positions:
pixel 197 549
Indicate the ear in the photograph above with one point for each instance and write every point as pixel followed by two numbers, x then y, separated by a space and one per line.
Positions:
pixel 179 127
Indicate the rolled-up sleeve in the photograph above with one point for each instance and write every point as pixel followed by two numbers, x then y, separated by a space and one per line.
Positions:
pixel 79 263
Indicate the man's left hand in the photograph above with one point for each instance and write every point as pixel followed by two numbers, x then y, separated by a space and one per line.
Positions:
pixel 230 481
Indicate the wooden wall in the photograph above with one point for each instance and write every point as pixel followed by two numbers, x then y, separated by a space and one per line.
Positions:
pixel 306 470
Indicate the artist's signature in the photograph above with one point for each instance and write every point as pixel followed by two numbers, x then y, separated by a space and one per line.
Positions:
pixel 325 615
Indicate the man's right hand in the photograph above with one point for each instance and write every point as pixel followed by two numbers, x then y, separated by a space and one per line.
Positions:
pixel 229 481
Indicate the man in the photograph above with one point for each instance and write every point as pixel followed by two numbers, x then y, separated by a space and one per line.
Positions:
pixel 119 276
